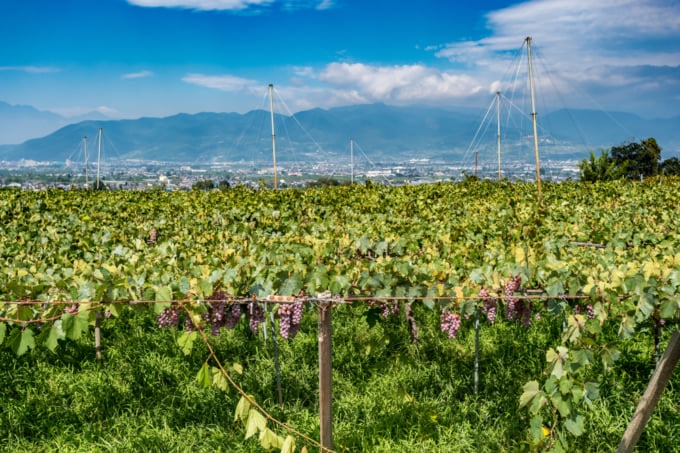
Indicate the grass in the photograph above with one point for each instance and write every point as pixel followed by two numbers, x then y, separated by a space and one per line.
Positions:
pixel 389 395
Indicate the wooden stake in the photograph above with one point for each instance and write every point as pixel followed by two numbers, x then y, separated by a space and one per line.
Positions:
pixel 656 385
pixel 325 381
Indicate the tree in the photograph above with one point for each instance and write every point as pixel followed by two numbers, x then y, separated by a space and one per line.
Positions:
pixel 642 159
pixel 671 167
pixel 601 168
pixel 223 185
pixel 205 184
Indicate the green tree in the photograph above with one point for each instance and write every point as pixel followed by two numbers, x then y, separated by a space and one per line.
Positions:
pixel 205 184
pixel 601 168
pixel 671 167
pixel 223 185
pixel 642 159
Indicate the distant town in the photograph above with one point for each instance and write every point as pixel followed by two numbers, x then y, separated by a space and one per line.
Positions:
pixel 173 176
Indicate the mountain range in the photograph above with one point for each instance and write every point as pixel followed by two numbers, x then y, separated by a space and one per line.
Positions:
pixel 381 133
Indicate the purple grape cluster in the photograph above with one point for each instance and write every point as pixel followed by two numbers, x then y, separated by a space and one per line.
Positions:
pixel 387 308
pixel 590 311
pixel 72 309
pixel 168 318
pixel 255 315
pixel 450 323
pixel 490 307
pixel 290 316
pixel 517 309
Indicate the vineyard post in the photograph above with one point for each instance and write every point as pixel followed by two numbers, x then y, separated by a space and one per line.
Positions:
pixel 476 350
pixel 656 386
pixel 325 381
pixel 98 336
pixel 277 365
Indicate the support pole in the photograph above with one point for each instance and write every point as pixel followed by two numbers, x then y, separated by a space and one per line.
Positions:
pixel 656 385
pixel 98 336
pixel 498 135
pixel 325 381
pixel 99 159
pixel 277 365
pixel 533 120
pixel 476 350
pixel 271 110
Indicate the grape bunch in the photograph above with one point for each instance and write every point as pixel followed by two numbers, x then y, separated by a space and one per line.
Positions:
pixel 490 307
pixel 450 323
pixel 386 308
pixel 168 318
pixel 255 315
pixel 72 309
pixel 290 316
pixel 221 313
pixel 590 311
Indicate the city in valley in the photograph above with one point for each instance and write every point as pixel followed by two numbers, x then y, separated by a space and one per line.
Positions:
pixel 172 176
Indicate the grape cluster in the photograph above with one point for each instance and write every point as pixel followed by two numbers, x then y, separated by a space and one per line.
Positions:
pixel 386 308
pixel 72 309
pixel 220 313
pixel 290 316
pixel 413 327
pixel 517 309
pixel 255 315
pixel 490 307
pixel 450 323
pixel 152 236
pixel 168 318
pixel 590 311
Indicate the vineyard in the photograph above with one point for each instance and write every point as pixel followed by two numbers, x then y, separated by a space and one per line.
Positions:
pixel 561 304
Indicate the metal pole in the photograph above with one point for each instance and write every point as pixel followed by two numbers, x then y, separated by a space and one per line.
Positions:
pixel 325 380
pixel 351 159
pixel 271 109
pixel 99 157
pixel 277 366
pixel 498 113
pixel 533 119
pixel 86 163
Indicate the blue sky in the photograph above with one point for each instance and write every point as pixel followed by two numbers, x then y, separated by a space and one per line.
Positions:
pixel 132 58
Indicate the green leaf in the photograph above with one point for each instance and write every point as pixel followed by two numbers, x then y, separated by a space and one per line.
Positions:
pixel 256 422
pixel 164 293
pixel 562 405
pixel 75 325
pixel 203 376
pixel 218 379
pixel 575 425
pixel 186 341
pixel 288 445
pixel 56 334
pixel 536 428
pixel 242 410
pixel 669 308
pixel 531 389
pixel 270 440
pixel 21 341
pixel 3 331
pixel 184 287
pixel 237 367
pixel 292 285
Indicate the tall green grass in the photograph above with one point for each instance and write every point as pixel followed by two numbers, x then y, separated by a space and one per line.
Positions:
pixel 389 394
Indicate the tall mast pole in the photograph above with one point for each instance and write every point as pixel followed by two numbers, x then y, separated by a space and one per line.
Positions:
pixel 87 185
pixel 271 109
pixel 498 136
pixel 99 157
pixel 533 119
pixel 351 159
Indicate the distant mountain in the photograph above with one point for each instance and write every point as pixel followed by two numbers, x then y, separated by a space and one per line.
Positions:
pixel 381 132
pixel 19 123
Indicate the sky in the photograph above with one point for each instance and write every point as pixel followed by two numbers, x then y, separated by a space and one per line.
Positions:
pixel 135 58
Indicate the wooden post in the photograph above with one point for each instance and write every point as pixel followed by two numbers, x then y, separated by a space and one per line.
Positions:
pixel 652 394
pixel 325 381
pixel 98 336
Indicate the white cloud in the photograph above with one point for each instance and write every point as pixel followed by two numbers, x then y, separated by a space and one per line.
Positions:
pixel 399 84
pixel 137 75
pixel 222 82
pixel 201 5
pixel 30 69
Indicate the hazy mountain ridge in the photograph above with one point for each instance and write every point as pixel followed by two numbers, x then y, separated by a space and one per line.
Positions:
pixel 381 131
